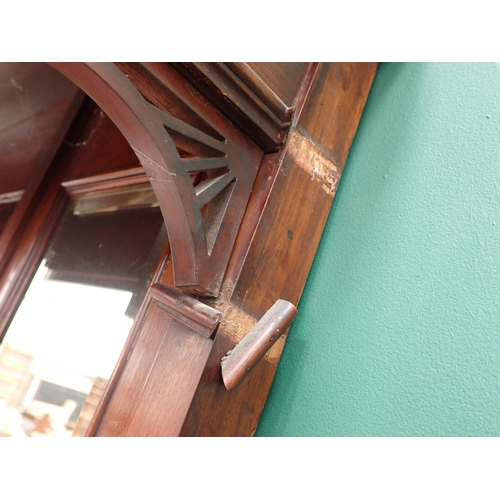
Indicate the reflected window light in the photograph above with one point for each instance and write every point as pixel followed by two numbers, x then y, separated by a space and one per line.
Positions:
pixel 63 344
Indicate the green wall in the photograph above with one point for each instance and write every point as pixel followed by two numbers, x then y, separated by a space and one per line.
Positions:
pixel 398 332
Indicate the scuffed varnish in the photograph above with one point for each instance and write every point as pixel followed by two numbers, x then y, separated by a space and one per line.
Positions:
pixel 274 354
pixel 311 159
pixel 235 325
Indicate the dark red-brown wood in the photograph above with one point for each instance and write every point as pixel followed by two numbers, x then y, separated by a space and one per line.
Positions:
pixel 91 136
pixel 37 106
pixel 168 379
pixel 283 246
pixel 245 98
pixel 165 122
pixel 241 360
pixel 196 315
pixel 159 390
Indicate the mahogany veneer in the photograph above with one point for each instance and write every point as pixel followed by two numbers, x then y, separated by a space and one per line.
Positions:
pixel 245 161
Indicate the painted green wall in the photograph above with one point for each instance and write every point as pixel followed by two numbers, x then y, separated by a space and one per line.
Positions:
pixel 398 332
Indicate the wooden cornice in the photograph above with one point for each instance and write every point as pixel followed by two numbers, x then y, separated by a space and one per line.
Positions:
pixel 244 98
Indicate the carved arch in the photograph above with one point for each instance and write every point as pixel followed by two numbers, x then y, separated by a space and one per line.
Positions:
pixel 175 132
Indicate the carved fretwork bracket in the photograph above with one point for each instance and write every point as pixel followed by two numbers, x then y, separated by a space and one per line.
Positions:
pixel 202 168
pixel 248 101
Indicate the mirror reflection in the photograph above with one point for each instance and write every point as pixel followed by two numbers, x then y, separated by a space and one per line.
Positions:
pixel 64 342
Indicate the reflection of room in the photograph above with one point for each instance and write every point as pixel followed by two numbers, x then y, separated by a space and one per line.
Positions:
pixel 67 335
pixel 38 397
pixel 64 161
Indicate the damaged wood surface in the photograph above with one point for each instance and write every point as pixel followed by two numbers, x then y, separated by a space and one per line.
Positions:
pixel 276 266
pixel 236 324
pixel 169 382
pixel 283 246
pixel 310 158
pixel 188 310
pixel 332 125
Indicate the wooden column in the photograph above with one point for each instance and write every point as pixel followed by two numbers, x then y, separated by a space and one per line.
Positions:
pixel 284 243
pixel 168 382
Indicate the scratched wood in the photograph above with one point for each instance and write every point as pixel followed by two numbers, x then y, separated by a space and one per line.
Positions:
pixel 284 245
pixel 277 266
pixel 340 105
pixel 168 380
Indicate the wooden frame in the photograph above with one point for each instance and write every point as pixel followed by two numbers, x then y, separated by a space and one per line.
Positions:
pixel 268 199
pixel 186 136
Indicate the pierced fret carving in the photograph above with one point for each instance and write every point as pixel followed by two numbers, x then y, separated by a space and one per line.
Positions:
pixel 177 136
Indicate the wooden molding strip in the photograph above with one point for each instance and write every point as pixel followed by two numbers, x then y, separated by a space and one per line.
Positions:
pixel 134 176
pixel 188 310
pixel 12 197
pixel 244 98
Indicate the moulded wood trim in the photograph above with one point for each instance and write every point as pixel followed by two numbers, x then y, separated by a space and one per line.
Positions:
pixel 201 241
pixel 244 97
pixel 160 391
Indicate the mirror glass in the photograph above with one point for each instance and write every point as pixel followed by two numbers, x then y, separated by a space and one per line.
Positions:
pixel 68 333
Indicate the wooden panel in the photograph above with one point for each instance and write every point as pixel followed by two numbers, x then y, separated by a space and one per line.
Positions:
pixel 160 377
pixel 129 387
pixel 284 78
pixel 282 250
pixel 277 266
pixel 174 377
pixel 339 90
pixel 290 229
pixel 140 338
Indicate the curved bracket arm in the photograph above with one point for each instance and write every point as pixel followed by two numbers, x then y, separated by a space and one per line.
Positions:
pixel 202 221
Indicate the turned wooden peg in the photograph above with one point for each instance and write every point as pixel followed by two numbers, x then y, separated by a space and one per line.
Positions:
pixel 240 361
